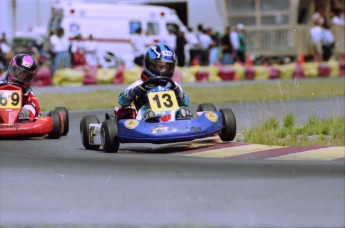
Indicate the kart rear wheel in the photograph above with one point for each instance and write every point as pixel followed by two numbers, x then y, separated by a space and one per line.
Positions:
pixel 109 138
pixel 228 132
pixel 56 132
pixel 84 131
pixel 63 112
pixel 206 107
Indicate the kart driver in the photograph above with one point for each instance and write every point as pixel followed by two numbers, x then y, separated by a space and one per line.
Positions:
pixel 22 70
pixel 159 60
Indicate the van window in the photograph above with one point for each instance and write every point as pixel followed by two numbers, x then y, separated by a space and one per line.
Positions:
pixel 173 27
pixel 153 28
pixel 134 26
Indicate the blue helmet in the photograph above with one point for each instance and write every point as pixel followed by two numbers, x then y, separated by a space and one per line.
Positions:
pixel 160 60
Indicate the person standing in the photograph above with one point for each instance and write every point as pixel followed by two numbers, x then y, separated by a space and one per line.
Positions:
pixel 78 51
pixel 315 33
pixel 205 42
pixel 60 47
pixel 191 48
pixel 180 43
pixel 214 47
pixel 138 42
pixel 241 51
pixel 327 42
pixel 91 51
pixel 227 53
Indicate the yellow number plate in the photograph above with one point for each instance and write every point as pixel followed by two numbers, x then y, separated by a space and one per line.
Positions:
pixel 163 101
pixel 11 99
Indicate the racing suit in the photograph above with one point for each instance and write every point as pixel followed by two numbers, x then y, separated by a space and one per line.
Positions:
pixel 125 99
pixel 30 103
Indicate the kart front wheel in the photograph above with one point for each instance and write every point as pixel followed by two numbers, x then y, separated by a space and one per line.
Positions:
pixel 56 131
pixel 84 131
pixel 109 138
pixel 206 107
pixel 63 112
pixel 228 132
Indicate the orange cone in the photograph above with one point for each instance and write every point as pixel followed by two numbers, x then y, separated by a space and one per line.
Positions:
pixel 195 61
pixel 249 61
pixel 301 59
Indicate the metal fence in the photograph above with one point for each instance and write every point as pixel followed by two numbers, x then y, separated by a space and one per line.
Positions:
pixel 287 41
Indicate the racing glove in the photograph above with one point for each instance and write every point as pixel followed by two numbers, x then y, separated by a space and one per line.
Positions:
pixel 178 93
pixel 136 91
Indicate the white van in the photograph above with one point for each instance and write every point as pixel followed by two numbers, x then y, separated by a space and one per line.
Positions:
pixel 112 25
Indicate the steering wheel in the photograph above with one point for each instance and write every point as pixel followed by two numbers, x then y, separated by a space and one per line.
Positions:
pixel 157 81
pixel 13 83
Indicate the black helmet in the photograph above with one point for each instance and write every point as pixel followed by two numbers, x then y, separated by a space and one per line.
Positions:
pixel 22 69
pixel 160 60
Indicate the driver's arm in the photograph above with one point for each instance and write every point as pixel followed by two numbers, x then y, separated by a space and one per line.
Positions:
pixel 128 96
pixel 182 97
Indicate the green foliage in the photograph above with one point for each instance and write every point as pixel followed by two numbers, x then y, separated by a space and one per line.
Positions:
pixel 316 132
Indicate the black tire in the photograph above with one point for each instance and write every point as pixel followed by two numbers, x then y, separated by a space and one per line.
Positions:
pixel 206 107
pixel 56 132
pixel 109 138
pixel 84 131
pixel 65 120
pixel 228 133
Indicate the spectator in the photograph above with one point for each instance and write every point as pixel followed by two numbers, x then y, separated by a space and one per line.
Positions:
pixel 227 55
pixel 214 47
pixel 60 47
pixel 5 49
pixel 205 42
pixel 138 42
pixel 315 33
pixel 180 43
pixel 78 51
pixel 170 40
pixel 148 39
pixel 90 46
pixel 241 51
pixel 339 17
pixel 191 47
pixel 235 41
pixel 327 42
pixel 318 15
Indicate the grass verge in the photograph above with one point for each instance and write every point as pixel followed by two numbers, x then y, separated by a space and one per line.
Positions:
pixel 281 90
pixel 316 132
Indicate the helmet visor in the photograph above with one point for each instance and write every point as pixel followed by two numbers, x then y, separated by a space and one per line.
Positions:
pixel 164 68
pixel 22 75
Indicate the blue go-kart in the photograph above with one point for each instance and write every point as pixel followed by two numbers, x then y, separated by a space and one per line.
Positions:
pixel 159 121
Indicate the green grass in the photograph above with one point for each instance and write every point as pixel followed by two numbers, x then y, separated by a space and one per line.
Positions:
pixel 281 90
pixel 316 132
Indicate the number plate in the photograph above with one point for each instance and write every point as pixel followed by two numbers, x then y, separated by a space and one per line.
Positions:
pixel 162 101
pixel 11 99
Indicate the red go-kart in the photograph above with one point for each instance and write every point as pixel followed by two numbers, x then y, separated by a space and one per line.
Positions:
pixel 55 124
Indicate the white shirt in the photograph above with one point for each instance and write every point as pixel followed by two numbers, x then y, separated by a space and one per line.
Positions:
pixel 60 44
pixel 235 41
pixel 138 44
pixel 327 37
pixel 191 38
pixel 205 41
pixel 316 34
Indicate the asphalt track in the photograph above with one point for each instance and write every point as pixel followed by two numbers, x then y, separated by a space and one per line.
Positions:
pixel 204 183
